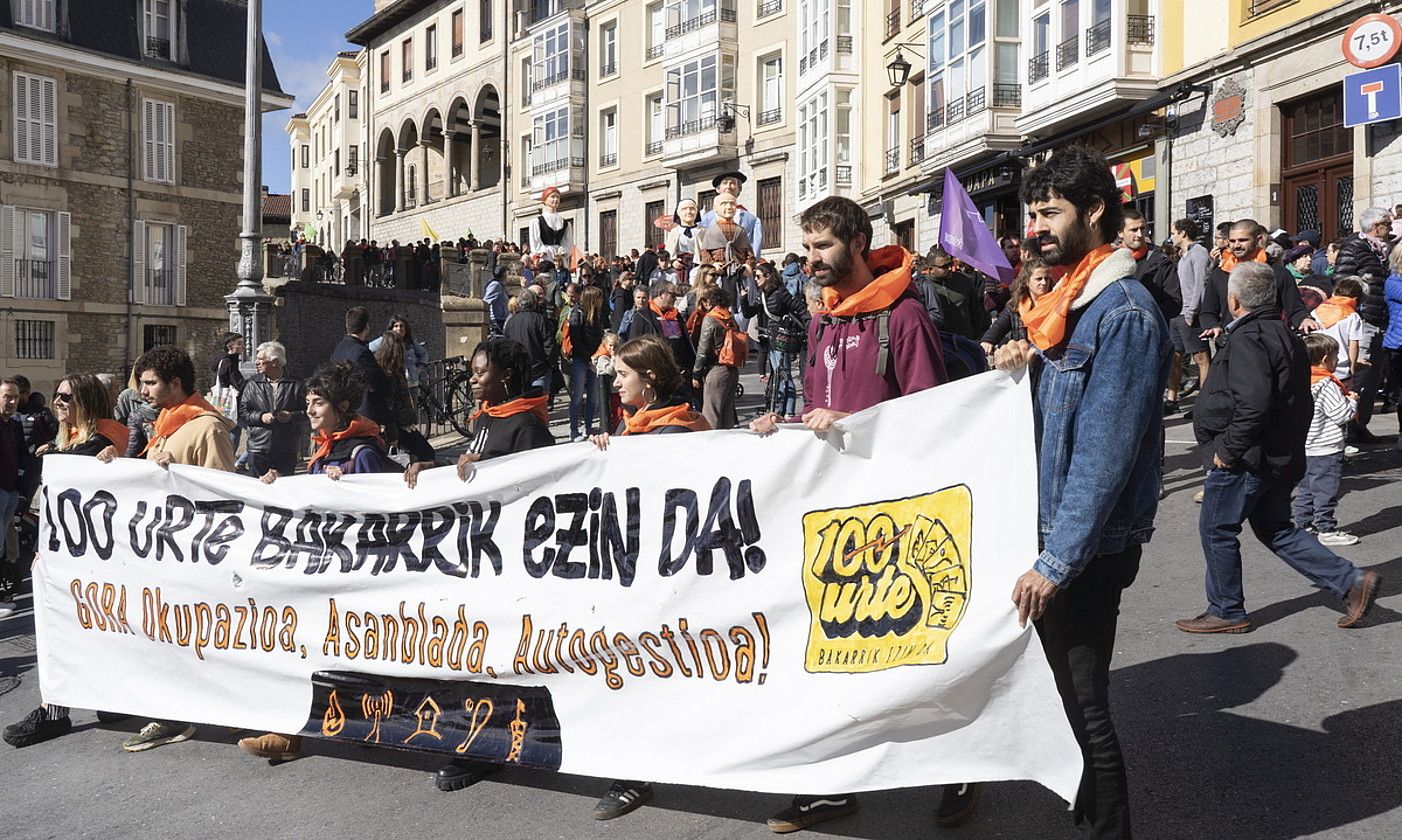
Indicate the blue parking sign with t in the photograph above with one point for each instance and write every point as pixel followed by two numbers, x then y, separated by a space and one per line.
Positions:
pixel 1373 95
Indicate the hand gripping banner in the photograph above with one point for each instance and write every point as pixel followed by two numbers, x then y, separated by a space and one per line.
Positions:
pixel 798 613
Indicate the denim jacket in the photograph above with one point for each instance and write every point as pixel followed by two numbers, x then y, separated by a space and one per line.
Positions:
pixel 1099 415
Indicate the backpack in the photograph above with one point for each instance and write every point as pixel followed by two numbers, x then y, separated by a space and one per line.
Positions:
pixel 962 357
pixel 734 348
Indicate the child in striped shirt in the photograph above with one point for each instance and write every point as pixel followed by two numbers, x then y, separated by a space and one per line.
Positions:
pixel 1334 406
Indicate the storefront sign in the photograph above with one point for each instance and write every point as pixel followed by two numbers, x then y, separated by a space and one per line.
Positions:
pixel 1228 108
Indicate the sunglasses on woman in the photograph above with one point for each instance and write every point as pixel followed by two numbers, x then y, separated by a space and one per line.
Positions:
pixel 62 396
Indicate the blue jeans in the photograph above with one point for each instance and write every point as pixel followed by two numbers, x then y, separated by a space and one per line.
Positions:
pixel 581 391
pixel 1230 498
pixel 785 394
pixel 1318 493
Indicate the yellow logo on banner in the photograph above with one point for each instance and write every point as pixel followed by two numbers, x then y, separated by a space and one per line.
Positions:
pixel 886 582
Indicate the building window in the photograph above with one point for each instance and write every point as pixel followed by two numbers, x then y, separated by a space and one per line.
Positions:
pixel 159 141
pixel 157 335
pixel 353 163
pixel 842 137
pixel 336 165
pixel 35 254
pixel 608 125
pixel 157 19
pixel 552 147
pixel 694 91
pixel 527 82
pixel 484 25
pixel 656 124
pixel 1067 51
pixel 384 72
pixel 306 200
pixel 353 104
pixel 608 49
pixel 608 233
pixel 34 339
pixel 35 14
pixel 550 56
pixel 36 125
pixel 161 263
pixel 813 26
pixel 306 155
pixel 652 234
pixel 430 48
pixel 457 24
pixel 656 30
pixel 1317 166
pixel 813 147
pixel 406 60
pixel 770 195
pixel 893 134
pixel 336 109
pixel 771 90
pixel 957 73
pixel 706 200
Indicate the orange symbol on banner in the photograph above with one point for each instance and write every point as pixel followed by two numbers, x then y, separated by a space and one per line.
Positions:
pixel 427 716
pixel 481 713
pixel 376 709
pixel 335 719
pixel 518 733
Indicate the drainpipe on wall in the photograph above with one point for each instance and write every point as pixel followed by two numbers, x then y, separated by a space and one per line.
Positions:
pixel 131 220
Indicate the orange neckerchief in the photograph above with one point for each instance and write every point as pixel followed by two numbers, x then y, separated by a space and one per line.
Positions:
pixel 520 405
pixel 1229 260
pixel 890 268
pixel 1334 310
pixel 645 420
pixel 669 315
pixel 171 419
pixel 720 313
pixel 1319 373
pixel 1045 319
pixel 359 427
pixel 110 429
pixel 1140 253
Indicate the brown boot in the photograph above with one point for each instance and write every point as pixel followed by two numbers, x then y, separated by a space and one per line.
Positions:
pixel 273 746
pixel 1360 599
pixel 1209 623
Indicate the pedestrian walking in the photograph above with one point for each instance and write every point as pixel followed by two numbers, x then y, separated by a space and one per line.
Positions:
pixel 586 328
pixel 720 353
pixel 272 406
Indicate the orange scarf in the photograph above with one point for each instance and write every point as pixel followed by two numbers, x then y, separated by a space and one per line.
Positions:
pixel 171 419
pixel 1334 310
pixel 890 268
pixel 1319 373
pixel 720 313
pixel 645 420
pixel 359 427
pixel 1229 260
pixel 520 405
pixel 118 434
pixel 669 315
pixel 1046 319
pixel 1140 253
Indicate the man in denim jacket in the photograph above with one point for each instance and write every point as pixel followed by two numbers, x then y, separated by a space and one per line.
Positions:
pixel 1104 353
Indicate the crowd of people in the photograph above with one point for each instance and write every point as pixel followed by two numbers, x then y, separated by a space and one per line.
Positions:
pixel 1287 345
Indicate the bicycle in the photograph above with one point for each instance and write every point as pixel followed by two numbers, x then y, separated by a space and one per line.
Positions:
pixel 446 397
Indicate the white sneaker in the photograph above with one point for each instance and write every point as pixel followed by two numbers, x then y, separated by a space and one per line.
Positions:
pixel 1350 451
pixel 6 607
pixel 1337 538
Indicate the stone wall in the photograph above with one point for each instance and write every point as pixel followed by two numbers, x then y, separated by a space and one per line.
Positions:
pixel 311 319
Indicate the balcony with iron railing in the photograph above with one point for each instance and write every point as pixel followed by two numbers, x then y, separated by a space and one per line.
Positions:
pixel 1139 29
pixel 690 127
pixel 655 51
pixel 35 279
pixel 609 69
pixel 1007 96
pixel 607 160
pixel 557 164
pixel 157 47
pixel 1038 67
pixel 917 8
pixel 844 44
pixel 725 13
pixel 893 23
pixel 975 102
pixel 843 174
pixel 893 160
pixel 352 168
pixel 769 7
pixel 653 148
pixel 695 141
pixel 917 149
pixel 559 76
pixel 770 117
pixel 1098 38
pixel 1068 52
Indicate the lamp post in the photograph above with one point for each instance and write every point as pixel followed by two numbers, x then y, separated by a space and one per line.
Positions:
pixel 898 70
pixel 250 308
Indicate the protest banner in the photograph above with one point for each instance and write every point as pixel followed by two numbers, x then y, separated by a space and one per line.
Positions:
pixel 791 613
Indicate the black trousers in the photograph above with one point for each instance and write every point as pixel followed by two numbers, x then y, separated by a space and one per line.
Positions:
pixel 1078 635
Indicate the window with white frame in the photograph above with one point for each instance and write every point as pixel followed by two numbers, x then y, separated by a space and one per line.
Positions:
pixel 550 141
pixel 35 14
pixel 160 263
pixel 430 48
pixel 957 74
pixel 608 126
pixel 353 104
pixel 527 81
pixel 656 30
pixel 550 56
pixel 158 141
pixel 686 15
pixel 771 89
pixel 36 120
pixel 35 253
pixel 158 19
pixel 813 26
pixel 608 49
pixel 813 146
pixel 694 93
pixel 656 123
pixel 842 137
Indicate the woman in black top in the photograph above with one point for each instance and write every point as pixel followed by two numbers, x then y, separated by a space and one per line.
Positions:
pixel 586 332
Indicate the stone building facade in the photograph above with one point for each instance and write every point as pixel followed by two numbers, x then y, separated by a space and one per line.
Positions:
pixel 119 208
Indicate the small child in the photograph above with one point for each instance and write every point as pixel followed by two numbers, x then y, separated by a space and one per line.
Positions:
pixel 1334 406
pixel 603 368
pixel 1339 319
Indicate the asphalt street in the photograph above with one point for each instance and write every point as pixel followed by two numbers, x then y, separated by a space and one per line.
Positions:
pixel 1290 731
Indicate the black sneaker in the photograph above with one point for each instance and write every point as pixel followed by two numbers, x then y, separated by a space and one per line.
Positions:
pixel 36 728
pixel 622 798
pixel 1170 407
pixel 958 804
pixel 807 811
pixel 460 773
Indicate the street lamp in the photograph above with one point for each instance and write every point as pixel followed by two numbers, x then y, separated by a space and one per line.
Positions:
pixel 898 71
pixel 726 121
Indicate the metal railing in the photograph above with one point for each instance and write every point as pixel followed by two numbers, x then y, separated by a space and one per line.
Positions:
pixel 654 51
pixel 917 8
pixel 954 111
pixel 653 148
pixel 1098 38
pixel 726 13
pixel 893 160
pixel 917 150
pixel 160 286
pixel 769 7
pixel 843 174
pixel 609 69
pixel 690 127
pixel 608 160
pixel 1038 67
pixel 352 168
pixel 1139 29
pixel 158 47
pixel 771 116
pixel 844 44
pixel 935 119
pixel 548 166
pixel 823 49
pixel 976 101
pixel 893 23
pixel 553 79
pixel 34 279
pixel 34 339
pixel 1067 53
pixel 1007 96
pixel 1260 7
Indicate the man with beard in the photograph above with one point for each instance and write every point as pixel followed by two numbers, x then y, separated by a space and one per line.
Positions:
pixel 871 341
pixel 1104 353
pixel 1244 245
pixel 1152 267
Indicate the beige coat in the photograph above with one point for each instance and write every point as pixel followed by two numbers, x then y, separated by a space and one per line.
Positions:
pixel 202 442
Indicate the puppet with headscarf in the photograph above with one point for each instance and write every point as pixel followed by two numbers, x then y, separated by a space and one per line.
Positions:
pixel 681 237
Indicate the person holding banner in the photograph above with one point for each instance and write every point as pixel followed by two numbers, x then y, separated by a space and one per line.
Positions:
pixel 83 407
pixel 871 341
pixel 1104 352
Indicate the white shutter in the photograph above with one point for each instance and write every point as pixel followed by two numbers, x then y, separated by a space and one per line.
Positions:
pixel 36 121
pixel 50 115
pixel 180 232
pixel 21 117
pixel 167 149
pixel 7 251
pixel 148 138
pixel 138 261
pixel 65 257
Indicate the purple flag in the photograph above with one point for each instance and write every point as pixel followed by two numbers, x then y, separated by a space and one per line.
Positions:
pixel 964 235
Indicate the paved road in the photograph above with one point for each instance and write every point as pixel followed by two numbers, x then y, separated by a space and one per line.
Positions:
pixel 1290 731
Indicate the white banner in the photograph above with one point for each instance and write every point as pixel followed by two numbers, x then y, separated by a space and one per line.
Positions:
pixel 786 614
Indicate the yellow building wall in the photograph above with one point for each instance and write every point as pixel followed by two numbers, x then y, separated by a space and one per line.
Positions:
pixel 1245 27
